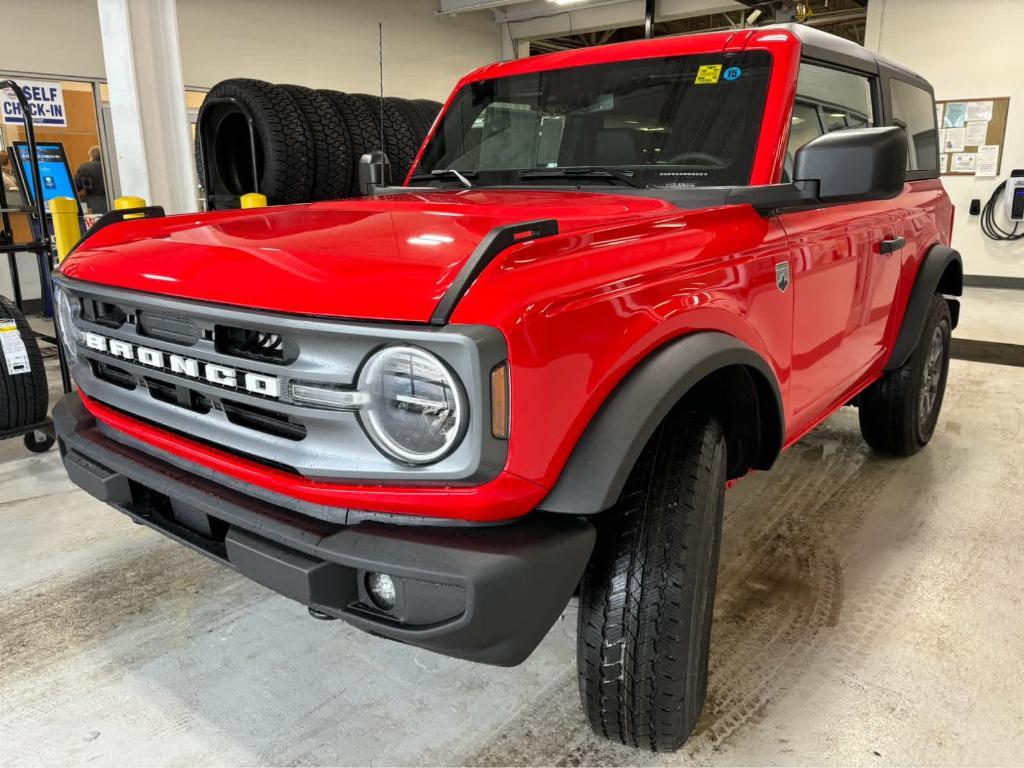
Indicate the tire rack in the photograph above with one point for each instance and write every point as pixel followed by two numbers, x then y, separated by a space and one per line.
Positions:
pixel 43 247
pixel 220 199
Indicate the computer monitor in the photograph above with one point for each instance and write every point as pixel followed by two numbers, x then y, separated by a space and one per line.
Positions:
pixel 54 172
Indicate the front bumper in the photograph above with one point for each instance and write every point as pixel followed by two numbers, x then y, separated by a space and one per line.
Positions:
pixel 485 594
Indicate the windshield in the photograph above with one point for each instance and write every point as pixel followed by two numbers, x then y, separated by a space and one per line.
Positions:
pixel 679 121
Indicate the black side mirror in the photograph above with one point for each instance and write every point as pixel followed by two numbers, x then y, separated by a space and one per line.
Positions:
pixel 844 166
pixel 374 172
pixel 854 164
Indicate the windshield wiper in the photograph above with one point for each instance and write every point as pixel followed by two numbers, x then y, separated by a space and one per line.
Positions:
pixel 605 174
pixel 462 176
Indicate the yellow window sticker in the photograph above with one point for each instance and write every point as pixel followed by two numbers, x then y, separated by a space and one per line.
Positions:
pixel 708 74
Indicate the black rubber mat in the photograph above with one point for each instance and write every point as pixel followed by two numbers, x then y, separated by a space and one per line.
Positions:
pixel 993 352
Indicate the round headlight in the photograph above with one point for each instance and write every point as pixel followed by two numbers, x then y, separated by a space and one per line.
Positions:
pixel 416 412
pixel 66 323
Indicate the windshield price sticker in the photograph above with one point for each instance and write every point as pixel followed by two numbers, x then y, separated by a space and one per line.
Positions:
pixel 708 74
pixel 13 347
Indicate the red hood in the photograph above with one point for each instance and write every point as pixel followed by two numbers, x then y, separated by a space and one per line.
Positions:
pixel 388 258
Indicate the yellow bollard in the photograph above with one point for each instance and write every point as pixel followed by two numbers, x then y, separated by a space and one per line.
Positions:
pixel 130 201
pixel 254 200
pixel 66 229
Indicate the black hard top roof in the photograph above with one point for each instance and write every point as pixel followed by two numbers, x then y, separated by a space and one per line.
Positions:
pixel 838 51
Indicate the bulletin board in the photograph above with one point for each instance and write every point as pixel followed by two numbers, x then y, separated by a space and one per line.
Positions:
pixel 972 133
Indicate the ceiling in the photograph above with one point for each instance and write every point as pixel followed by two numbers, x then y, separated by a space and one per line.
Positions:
pixel 846 18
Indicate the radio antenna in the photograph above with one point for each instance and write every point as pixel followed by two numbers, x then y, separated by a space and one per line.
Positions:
pixel 380 57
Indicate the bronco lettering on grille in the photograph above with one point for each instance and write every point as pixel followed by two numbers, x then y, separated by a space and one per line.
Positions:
pixel 221 375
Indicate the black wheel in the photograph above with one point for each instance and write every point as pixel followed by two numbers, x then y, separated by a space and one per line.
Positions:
pixel 898 413
pixel 284 154
pixel 23 390
pixel 332 150
pixel 648 592
pixel 363 129
pixel 39 440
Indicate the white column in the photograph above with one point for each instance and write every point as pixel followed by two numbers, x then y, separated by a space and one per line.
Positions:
pixel 873 27
pixel 147 102
pixel 511 48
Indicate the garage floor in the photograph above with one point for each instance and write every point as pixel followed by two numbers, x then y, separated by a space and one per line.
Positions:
pixel 869 612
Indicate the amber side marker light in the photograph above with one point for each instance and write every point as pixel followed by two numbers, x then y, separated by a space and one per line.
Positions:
pixel 499 401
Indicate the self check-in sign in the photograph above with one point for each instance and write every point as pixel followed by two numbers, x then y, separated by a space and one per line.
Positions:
pixel 45 103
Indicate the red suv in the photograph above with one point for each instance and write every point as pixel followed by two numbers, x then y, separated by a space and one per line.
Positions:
pixel 617 279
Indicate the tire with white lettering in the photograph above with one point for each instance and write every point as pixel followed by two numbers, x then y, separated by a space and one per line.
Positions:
pixel 363 129
pixel 284 152
pixel 898 413
pixel 332 149
pixel 23 396
pixel 647 595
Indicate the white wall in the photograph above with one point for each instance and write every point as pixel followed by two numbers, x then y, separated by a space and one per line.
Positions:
pixel 59 37
pixel 319 43
pixel 333 44
pixel 966 50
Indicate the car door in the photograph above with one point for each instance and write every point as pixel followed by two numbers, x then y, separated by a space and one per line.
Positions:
pixel 842 283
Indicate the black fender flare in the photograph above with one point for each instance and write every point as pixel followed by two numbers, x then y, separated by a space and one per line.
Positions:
pixel 929 281
pixel 596 471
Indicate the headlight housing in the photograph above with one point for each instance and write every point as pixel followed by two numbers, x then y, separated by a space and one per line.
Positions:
pixel 416 410
pixel 66 323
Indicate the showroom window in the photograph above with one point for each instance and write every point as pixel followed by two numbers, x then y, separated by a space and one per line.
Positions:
pixel 914 109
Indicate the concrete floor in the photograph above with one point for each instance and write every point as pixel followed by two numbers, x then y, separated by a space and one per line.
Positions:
pixel 868 613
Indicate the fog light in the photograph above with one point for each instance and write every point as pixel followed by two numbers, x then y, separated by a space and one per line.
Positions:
pixel 382 590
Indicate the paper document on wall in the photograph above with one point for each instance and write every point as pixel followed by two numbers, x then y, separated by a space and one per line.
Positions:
pixel 943 163
pixel 956 140
pixel 987 162
pixel 979 110
pixel 962 162
pixel 938 114
pixel 976 134
pixel 956 115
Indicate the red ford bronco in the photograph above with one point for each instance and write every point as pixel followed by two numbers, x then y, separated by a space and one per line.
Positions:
pixel 616 279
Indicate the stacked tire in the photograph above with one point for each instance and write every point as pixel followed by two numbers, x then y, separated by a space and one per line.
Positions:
pixel 23 389
pixel 307 142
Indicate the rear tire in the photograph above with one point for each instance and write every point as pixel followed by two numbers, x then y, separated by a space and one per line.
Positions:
pixel 647 596
pixel 898 413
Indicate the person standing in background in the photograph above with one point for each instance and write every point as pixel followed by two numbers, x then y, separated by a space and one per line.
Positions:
pixel 9 180
pixel 89 181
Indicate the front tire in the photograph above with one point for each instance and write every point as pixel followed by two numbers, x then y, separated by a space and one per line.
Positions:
pixel 647 596
pixel 898 413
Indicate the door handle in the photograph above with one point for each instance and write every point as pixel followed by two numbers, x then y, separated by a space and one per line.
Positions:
pixel 891 244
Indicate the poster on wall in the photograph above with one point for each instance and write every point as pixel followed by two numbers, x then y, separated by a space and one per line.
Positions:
pixel 45 103
pixel 972 133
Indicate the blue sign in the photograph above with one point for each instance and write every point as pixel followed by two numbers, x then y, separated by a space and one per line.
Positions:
pixel 732 73
pixel 45 104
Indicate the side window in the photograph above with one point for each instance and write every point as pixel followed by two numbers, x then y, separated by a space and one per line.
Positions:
pixel 914 109
pixel 827 100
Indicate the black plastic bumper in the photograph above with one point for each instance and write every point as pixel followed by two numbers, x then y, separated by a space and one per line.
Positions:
pixel 488 594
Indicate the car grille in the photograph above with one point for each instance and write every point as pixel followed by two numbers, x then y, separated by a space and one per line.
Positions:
pixel 280 349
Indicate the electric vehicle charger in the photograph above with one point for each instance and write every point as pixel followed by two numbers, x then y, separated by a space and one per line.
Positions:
pixel 1012 192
